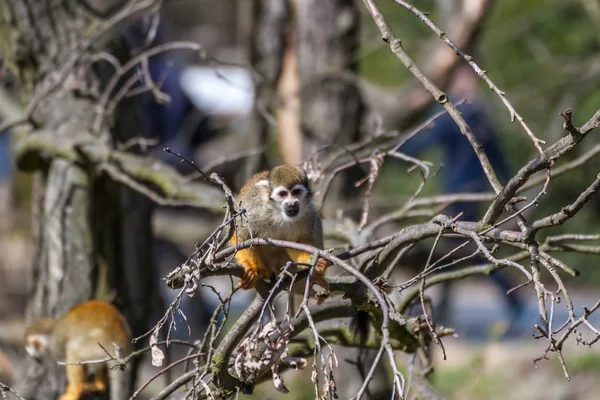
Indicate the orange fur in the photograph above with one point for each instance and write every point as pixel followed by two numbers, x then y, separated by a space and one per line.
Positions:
pixel 266 218
pixel 321 265
pixel 299 256
pixel 75 337
pixel 254 267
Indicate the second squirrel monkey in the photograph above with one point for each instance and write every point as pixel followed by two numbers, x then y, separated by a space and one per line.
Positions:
pixel 279 205
pixel 74 337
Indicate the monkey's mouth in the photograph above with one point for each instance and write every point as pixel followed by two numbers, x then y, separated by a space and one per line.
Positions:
pixel 291 211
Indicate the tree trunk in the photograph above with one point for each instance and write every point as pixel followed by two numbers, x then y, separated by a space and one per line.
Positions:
pixel 331 103
pixel 327 42
pixel 64 271
pixel 266 47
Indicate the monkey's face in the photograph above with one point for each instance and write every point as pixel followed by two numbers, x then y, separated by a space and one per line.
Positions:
pixel 36 345
pixel 290 202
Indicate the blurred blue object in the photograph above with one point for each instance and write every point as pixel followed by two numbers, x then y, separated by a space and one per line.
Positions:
pixel 462 172
pixel 178 124
pixel 6 167
pixel 168 121
pixel 6 173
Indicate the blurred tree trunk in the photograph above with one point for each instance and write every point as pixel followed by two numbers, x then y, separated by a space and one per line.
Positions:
pixel 304 52
pixel 331 104
pixel 327 42
pixel 92 235
pixel 289 135
pixel 266 48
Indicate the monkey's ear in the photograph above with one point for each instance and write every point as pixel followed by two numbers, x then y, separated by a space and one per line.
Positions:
pixel 263 183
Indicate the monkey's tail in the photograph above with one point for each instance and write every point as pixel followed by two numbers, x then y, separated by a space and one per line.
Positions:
pixel 360 326
pixel 120 383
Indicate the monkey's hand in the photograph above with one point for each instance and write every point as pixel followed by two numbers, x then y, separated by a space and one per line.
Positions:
pixel 254 268
pixel 319 279
pixel 319 275
pixel 73 392
pixel 321 266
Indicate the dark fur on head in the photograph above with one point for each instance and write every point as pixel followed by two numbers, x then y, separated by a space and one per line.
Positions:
pixel 287 176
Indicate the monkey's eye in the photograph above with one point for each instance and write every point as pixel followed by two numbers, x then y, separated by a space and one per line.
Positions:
pixel 297 192
pixel 282 193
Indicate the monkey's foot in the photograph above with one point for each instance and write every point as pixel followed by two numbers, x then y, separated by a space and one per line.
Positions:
pixel 97 385
pixel 70 396
pixel 73 392
pixel 250 278
pixel 319 279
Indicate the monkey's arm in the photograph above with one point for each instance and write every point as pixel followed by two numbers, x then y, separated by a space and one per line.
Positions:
pixel 298 256
pixel 313 236
pixel 305 258
pixel 254 267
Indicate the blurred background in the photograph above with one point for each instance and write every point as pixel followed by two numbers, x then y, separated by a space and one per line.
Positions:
pixel 542 53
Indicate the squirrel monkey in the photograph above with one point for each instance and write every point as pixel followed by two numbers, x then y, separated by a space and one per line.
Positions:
pixel 74 337
pixel 279 205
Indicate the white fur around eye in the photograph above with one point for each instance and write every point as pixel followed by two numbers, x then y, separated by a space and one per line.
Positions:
pixel 277 190
pixel 300 187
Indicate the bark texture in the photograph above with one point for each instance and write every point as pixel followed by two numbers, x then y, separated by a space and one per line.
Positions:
pixel 327 42
pixel 332 106
pixel 267 43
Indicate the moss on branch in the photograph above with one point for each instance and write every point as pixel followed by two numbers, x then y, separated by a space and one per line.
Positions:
pixel 149 176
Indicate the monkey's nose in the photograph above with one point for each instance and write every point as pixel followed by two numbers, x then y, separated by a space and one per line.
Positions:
pixel 291 210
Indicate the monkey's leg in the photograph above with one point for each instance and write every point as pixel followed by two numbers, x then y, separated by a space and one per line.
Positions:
pixel 299 256
pixel 76 375
pixel 254 267
pixel 100 381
